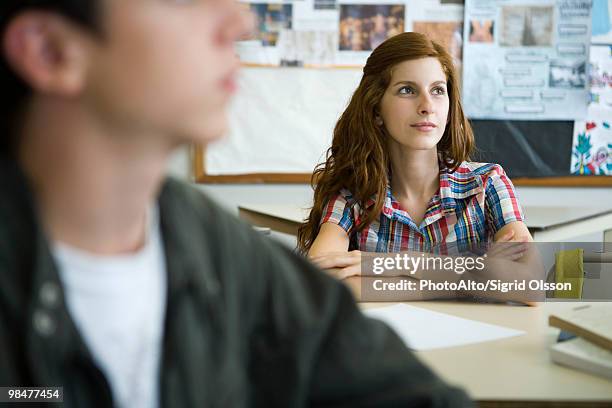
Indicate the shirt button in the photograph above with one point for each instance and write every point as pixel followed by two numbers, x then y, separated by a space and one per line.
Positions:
pixel 43 323
pixel 49 294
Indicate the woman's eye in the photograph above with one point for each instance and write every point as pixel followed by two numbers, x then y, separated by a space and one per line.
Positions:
pixel 439 91
pixel 406 90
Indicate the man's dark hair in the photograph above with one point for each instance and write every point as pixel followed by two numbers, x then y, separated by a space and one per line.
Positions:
pixel 15 92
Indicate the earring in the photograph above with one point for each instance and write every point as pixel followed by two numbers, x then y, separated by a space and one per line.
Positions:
pixel 379 121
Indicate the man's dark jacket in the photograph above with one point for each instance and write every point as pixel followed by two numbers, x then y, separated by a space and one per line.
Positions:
pixel 248 323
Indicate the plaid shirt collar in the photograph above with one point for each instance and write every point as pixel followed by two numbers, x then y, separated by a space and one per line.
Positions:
pixel 455 186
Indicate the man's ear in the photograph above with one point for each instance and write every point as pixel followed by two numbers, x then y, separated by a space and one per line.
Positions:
pixel 47 52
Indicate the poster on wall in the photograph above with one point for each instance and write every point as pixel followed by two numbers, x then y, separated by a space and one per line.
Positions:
pixel 527 60
pixel 271 19
pixel 602 22
pixel 600 77
pixel 442 21
pixel 363 27
pixel 317 33
pixel 592 143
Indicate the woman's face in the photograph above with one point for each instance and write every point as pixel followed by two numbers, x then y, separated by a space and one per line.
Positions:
pixel 414 108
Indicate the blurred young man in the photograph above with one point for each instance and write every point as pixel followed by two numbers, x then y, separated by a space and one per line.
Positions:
pixel 134 291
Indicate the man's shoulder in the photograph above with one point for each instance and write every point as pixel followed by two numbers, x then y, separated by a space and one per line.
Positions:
pixel 193 216
pixel 181 194
pixel 240 257
pixel 192 207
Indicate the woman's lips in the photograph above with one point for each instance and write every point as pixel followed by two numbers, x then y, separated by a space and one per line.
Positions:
pixel 424 127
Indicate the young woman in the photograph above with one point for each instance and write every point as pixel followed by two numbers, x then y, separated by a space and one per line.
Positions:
pixel 398 176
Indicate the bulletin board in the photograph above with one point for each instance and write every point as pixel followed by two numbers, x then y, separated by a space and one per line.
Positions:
pixel 496 142
pixel 532 153
pixel 301 69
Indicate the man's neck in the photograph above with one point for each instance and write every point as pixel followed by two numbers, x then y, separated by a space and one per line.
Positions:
pixel 92 189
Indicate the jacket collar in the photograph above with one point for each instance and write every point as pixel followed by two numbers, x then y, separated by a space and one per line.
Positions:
pixel 189 260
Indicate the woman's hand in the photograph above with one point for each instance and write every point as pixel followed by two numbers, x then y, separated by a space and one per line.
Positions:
pixel 509 247
pixel 340 265
pixel 506 246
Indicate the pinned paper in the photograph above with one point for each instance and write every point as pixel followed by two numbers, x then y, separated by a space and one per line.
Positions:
pixel 592 145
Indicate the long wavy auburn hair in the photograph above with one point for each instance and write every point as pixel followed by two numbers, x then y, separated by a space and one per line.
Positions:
pixel 358 159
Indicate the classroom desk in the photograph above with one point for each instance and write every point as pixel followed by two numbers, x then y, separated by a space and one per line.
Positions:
pixel 517 371
pixel 546 224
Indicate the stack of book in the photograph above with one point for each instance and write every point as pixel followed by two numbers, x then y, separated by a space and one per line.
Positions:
pixel 589 347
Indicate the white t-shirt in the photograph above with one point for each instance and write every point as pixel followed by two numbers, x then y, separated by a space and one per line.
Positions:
pixel 118 304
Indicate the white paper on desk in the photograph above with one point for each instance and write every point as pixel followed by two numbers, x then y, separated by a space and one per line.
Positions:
pixel 423 329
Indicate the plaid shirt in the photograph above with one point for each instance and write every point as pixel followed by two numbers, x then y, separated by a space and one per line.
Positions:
pixel 470 206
